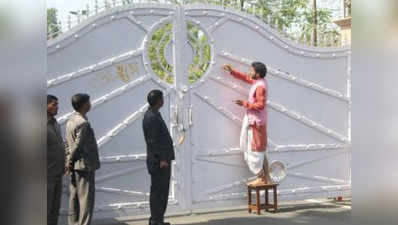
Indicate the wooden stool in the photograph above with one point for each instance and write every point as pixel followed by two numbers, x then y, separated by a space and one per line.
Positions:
pixel 258 206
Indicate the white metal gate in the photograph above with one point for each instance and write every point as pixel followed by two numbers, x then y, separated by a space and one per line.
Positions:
pixel 108 57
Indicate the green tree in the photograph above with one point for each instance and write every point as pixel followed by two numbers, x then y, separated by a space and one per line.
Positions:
pixel 301 19
pixel 53 27
pixel 286 12
pixel 312 28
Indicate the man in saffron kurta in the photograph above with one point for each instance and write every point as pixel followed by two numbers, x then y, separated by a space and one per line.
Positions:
pixel 253 140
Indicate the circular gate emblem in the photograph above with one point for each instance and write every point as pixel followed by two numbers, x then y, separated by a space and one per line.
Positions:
pixel 197 52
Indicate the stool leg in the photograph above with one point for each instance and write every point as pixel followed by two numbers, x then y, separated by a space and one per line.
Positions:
pixel 249 199
pixel 258 201
pixel 266 200
pixel 275 200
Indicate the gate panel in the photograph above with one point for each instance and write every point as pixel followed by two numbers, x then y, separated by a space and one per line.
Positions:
pixel 107 57
pixel 308 105
pixel 119 33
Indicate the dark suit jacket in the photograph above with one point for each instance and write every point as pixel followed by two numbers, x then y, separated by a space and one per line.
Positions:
pixel 55 149
pixel 158 140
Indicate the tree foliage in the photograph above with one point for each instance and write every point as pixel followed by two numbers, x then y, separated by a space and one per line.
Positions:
pixel 53 28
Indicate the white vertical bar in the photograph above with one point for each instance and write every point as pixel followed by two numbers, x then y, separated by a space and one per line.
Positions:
pixel 96 6
pixel 59 26
pixel 180 42
pixel 349 94
pixel 181 84
pixel 87 11
pixel 342 8
pixel 328 37
pixel 69 22
pixel 322 40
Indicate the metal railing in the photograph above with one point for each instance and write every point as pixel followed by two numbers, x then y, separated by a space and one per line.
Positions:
pixel 329 39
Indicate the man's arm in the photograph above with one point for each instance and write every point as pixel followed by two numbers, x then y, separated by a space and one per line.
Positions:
pixel 75 147
pixel 239 75
pixel 259 104
pixel 242 76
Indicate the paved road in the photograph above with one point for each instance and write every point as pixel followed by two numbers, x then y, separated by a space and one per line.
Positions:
pixel 316 212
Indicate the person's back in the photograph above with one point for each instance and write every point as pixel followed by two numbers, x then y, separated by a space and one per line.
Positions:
pixel 79 132
pixel 159 143
pixel 160 153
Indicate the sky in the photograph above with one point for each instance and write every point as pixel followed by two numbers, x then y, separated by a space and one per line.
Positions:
pixel 65 6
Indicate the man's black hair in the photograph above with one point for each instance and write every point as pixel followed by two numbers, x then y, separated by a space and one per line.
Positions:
pixel 78 100
pixel 51 98
pixel 260 68
pixel 154 97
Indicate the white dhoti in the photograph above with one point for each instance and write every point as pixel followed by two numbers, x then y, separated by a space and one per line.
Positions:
pixel 254 160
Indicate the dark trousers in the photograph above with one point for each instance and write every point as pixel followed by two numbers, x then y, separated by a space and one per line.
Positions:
pixel 160 183
pixel 54 192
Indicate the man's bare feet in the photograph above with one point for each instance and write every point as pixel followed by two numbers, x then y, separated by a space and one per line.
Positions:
pixel 257 181
pixel 268 181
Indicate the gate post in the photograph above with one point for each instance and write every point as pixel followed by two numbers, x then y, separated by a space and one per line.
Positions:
pixel 182 100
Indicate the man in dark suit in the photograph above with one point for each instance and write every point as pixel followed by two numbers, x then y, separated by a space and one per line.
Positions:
pixel 55 161
pixel 160 153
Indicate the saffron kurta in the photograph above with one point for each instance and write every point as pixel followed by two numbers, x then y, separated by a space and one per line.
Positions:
pixel 256 111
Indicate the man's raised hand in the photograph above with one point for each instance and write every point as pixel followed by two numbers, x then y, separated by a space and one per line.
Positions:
pixel 239 102
pixel 227 68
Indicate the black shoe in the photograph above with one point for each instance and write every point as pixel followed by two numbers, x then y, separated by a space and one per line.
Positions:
pixel 152 222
